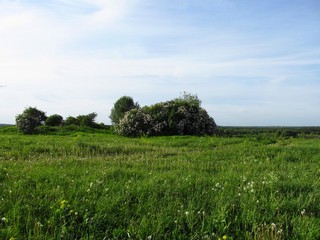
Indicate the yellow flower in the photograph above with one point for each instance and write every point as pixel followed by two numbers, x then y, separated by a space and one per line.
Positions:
pixel 224 237
pixel 63 204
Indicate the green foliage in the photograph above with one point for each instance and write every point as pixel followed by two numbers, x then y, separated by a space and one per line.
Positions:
pixel 82 120
pixel 121 106
pixel 189 98
pixel 87 120
pixel 88 186
pixel 30 119
pixel 71 121
pixel 270 132
pixel 181 116
pixel 54 120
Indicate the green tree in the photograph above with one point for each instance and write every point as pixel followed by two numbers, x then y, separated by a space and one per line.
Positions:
pixel 30 119
pixel 87 120
pixel 123 105
pixel 54 120
pixel 71 121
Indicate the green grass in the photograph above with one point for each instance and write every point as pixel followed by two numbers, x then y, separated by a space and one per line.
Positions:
pixel 96 185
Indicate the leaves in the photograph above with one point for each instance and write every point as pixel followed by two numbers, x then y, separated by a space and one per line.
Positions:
pixel 181 116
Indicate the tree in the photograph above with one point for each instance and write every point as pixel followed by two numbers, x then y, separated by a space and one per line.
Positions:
pixel 82 120
pixel 71 121
pixel 123 105
pixel 29 120
pixel 54 120
pixel 87 120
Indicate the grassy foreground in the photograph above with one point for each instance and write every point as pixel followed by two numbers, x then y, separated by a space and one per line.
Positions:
pixel 102 186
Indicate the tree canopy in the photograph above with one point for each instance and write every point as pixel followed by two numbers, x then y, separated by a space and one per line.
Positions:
pixel 30 119
pixel 121 106
pixel 54 120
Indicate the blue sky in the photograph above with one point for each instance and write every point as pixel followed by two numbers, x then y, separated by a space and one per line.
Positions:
pixel 252 63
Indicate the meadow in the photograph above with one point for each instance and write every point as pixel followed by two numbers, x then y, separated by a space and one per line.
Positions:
pixel 241 184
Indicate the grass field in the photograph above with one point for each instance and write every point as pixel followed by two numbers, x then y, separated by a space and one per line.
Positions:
pixel 96 185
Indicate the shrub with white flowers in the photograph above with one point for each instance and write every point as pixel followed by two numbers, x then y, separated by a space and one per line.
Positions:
pixel 181 116
pixel 135 123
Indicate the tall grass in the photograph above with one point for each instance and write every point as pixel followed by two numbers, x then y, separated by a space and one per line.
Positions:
pixel 102 186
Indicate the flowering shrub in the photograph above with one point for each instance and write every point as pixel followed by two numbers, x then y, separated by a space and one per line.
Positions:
pixel 135 123
pixel 176 117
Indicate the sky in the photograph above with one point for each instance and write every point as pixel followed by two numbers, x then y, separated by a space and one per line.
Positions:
pixel 251 63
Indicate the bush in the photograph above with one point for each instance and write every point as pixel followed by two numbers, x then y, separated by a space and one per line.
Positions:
pixel 54 120
pixel 135 123
pixel 181 116
pixel 29 120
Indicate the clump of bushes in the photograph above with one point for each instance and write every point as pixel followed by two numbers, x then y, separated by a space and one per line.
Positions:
pixel 33 120
pixel 181 116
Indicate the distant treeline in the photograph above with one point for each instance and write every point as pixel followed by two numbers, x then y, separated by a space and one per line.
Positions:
pixel 5 125
pixel 275 131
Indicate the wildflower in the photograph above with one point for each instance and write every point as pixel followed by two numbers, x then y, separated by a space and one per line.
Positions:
pixel 149 237
pixel 3 220
pixel 39 224
pixel 273 226
pixel 12 238
pixel 303 212
pixel 63 204
pixel 187 213
pixel 280 231
pixel 224 237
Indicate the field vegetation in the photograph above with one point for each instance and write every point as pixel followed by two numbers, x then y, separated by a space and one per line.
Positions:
pixel 83 183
